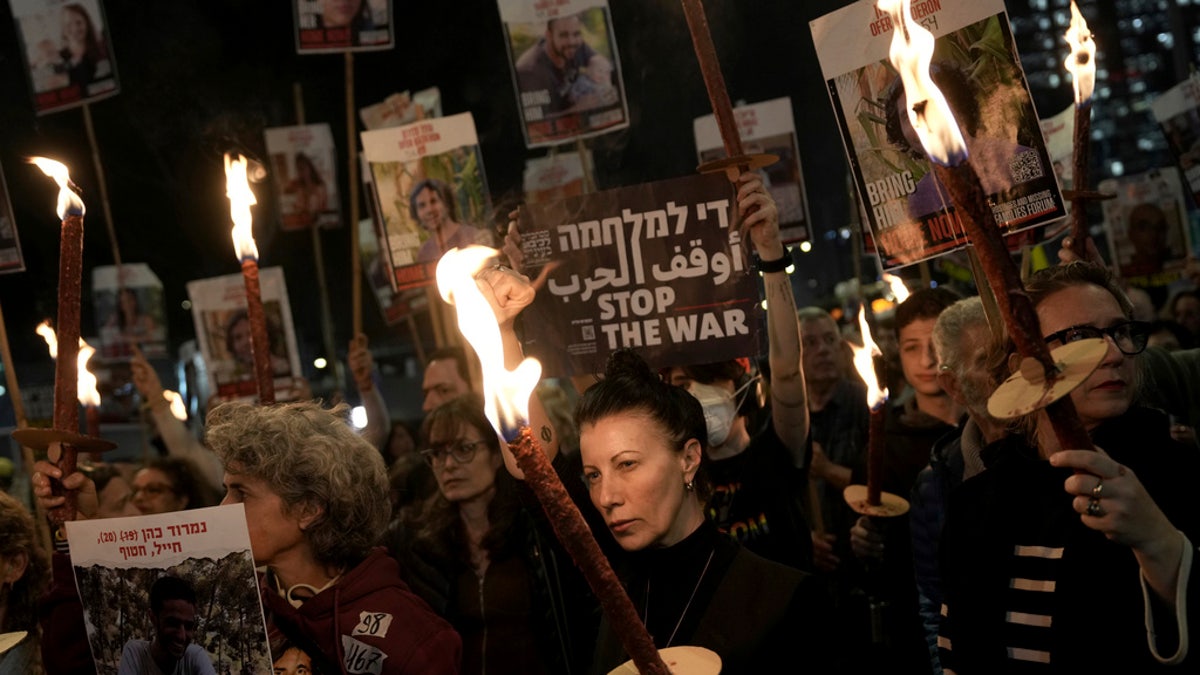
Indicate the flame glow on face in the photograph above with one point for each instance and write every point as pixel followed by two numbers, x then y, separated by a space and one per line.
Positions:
pixel 896 285
pixel 88 394
pixel 241 198
pixel 68 201
pixel 1081 62
pixel 864 363
pixel 505 392
pixel 928 112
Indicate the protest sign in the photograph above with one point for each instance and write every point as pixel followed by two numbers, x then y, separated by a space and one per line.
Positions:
pixel 402 108
pixel 66 50
pixel 975 65
pixel 565 68
pixel 303 163
pixel 659 267
pixel 223 331
pixel 198 558
pixel 394 305
pixel 129 311
pixel 353 26
pixel 769 128
pixel 430 193
pixel 1147 229
pixel 1178 113
pixel 11 258
pixel 553 177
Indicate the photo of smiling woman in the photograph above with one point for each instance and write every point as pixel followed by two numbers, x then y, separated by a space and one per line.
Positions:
pixel 642 445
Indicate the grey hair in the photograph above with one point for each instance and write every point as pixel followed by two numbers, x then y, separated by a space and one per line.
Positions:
pixel 948 330
pixel 310 457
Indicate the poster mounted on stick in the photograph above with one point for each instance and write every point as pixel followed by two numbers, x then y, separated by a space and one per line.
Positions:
pixel 431 193
pixel 553 177
pixel 402 108
pixel 1178 113
pixel 304 168
pixel 67 53
pixel 658 267
pixel 11 258
pixel 344 26
pixel 770 128
pixel 976 66
pixel 130 311
pixel 1147 228
pixel 223 332
pixel 565 68
pixel 199 568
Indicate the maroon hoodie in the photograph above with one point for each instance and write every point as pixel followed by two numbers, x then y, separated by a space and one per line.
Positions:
pixel 367 622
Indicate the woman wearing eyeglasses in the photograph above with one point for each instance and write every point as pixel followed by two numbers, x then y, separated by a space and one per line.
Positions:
pixel 165 485
pixel 479 554
pixel 1073 560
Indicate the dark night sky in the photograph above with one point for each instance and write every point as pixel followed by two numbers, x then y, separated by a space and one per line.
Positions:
pixel 202 76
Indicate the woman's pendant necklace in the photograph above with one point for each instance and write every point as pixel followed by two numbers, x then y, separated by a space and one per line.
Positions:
pixel 646 613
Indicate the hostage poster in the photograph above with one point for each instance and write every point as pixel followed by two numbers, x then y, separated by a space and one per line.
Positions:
pixel 181 583
pixel 1147 229
pixel 431 193
pixel 976 66
pixel 223 332
pixel 130 311
pixel 304 169
pixel 769 128
pixel 554 177
pixel 659 267
pixel 67 52
pixel 343 25
pixel 11 259
pixel 1178 113
pixel 565 69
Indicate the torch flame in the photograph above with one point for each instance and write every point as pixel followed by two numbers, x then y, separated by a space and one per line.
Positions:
pixel 928 111
pixel 68 200
pixel 864 363
pixel 241 198
pixel 177 408
pixel 86 385
pixel 1081 62
pixel 505 392
pixel 896 285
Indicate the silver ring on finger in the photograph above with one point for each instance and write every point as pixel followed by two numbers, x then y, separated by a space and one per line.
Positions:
pixel 1096 491
pixel 1094 509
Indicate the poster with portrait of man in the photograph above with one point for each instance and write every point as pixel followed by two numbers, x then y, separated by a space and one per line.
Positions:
pixel 324 26
pixel 11 258
pixel 565 68
pixel 430 191
pixel 304 172
pixel 767 128
pixel 1177 111
pixel 1147 228
pixel 67 52
pixel 223 332
pixel 974 63
pixel 130 312
pixel 176 587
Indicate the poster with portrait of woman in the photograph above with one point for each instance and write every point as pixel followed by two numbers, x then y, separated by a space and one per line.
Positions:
pixel 430 191
pixel 975 65
pixel 67 52
pixel 130 312
pixel 304 172
pixel 565 68
pixel 343 26
pixel 223 332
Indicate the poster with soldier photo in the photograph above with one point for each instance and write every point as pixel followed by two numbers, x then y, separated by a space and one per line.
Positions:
pixel 565 68
pixel 223 331
pixel 769 128
pixel 180 584
pixel 130 312
pixel 1147 229
pixel 11 259
pixel 324 26
pixel 304 168
pixel 975 65
pixel 67 53
pixel 660 268
pixel 430 191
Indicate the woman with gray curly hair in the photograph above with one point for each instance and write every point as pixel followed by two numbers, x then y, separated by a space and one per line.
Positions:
pixel 316 502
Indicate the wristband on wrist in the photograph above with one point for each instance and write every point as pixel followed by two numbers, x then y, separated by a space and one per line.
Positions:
pixel 779 265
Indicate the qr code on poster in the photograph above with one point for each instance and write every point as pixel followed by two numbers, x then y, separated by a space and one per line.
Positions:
pixel 1025 166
